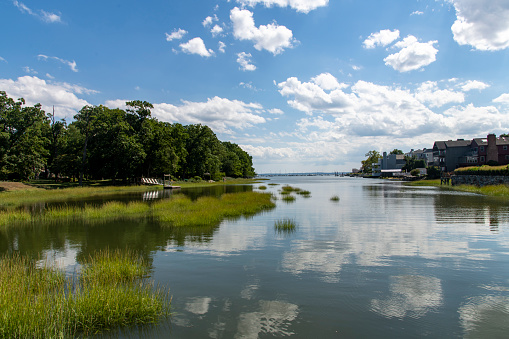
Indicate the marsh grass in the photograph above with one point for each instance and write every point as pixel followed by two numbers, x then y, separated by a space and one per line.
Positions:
pixel 207 211
pixel 273 184
pixel 262 187
pixel 285 225
pixel 44 303
pixel 501 191
pixel 288 198
pixel 304 193
pixel 334 198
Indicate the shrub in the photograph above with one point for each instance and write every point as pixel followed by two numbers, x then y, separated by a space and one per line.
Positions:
pixel 415 172
pixel 483 170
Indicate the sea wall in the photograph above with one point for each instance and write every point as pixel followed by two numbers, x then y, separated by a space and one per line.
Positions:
pixel 479 180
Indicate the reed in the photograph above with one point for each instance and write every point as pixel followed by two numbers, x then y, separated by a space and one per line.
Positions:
pixel 288 198
pixel 207 211
pixel 304 193
pixel 285 225
pixel 334 198
pixel 44 303
pixel 262 187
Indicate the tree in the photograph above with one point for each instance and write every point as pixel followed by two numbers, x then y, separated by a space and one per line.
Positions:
pixel 372 158
pixel 23 140
pixel 396 151
pixel 413 163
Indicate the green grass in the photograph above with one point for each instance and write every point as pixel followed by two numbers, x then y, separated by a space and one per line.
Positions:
pixel 426 182
pixel 273 184
pixel 285 225
pixel 304 193
pixel 44 303
pixel 177 211
pixel 334 198
pixel 262 187
pixel 492 191
pixel 288 198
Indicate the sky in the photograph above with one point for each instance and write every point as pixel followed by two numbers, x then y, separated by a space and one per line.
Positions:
pixel 301 85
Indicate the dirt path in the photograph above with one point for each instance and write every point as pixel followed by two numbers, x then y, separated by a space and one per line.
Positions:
pixel 15 186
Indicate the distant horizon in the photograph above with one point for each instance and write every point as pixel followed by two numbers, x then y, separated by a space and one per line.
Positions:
pixel 308 84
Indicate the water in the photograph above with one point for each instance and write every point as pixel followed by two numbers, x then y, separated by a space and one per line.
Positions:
pixel 385 261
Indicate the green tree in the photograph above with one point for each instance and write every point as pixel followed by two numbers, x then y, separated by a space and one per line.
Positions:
pixel 372 158
pixel 413 163
pixel 396 151
pixel 23 141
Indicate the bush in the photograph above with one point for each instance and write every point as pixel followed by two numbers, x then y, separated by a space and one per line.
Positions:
pixel 433 172
pixel 483 170
pixel 415 172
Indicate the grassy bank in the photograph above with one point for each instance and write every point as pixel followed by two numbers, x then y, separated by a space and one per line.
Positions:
pixel 44 303
pixel 177 211
pixel 58 192
pixel 493 191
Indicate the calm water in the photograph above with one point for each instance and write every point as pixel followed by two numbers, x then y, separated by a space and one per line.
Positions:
pixel 385 261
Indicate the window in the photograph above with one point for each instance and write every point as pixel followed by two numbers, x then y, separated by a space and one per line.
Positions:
pixel 507 157
pixel 482 159
pixel 505 148
pixel 481 148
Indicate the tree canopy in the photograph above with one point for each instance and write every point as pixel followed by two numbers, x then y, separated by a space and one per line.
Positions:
pixel 105 143
pixel 372 158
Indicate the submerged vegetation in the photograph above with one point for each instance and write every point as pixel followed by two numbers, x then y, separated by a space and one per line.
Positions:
pixel 177 211
pixel 335 198
pixel 110 292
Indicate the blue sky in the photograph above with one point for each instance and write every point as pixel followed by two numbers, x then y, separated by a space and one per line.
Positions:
pixel 302 85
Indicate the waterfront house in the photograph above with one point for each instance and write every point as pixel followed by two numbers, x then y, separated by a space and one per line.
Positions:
pixel 389 165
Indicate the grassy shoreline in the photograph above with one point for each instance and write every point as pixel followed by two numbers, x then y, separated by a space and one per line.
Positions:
pixel 501 191
pixel 177 211
pixel 34 193
pixel 110 292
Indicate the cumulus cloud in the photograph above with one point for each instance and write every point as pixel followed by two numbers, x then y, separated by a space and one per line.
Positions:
pixel 304 6
pixel 417 13
pixel 221 46
pixel 483 25
pixel 382 38
pixel 209 20
pixel 72 64
pixel 272 37
pixel 176 35
pixel 412 55
pixel 220 114
pixel 504 99
pixel 42 15
pixel 367 109
pixel 216 30
pixel 244 60
pixel 429 92
pixel 34 90
pixel 276 111
pixel 196 46
pixel 474 84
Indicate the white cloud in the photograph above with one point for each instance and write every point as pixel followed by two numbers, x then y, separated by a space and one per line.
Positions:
pixel 429 92
pixel 272 37
pixel 35 90
pixel 413 55
pixel 382 38
pixel 72 64
pixel 504 98
pixel 304 6
pixel 49 76
pixel 263 152
pixel 29 70
pixel 483 25
pixel 2 59
pixel 175 35
pixel 216 30
pixel 220 114
pixel 474 84
pixel 417 13
pixel 42 15
pixel 221 47
pixel 209 20
pixel 276 111
pixel 196 46
pixel 244 60
pixel 472 120
pixel 327 81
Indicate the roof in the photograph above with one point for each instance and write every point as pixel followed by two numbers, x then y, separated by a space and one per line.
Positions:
pixel 452 143
pixel 484 141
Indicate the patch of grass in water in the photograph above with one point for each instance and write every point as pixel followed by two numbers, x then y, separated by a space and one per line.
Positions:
pixel 263 187
pixel 334 198
pixel 285 225
pixel 273 184
pixel 288 198
pixel 304 193
pixel 42 302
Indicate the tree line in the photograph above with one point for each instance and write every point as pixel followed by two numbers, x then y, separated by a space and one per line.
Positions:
pixel 105 143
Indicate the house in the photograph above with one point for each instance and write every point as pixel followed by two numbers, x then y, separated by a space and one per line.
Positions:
pixel 389 165
pixel 452 154
pixel 425 154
